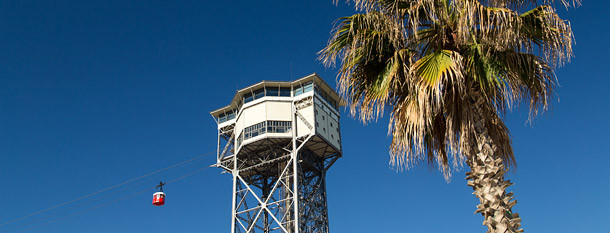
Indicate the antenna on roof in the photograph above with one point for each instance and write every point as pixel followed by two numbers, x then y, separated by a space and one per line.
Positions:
pixel 291 71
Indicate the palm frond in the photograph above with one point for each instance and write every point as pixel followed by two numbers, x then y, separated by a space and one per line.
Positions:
pixel 430 61
pixel 552 35
pixel 420 129
pixel 522 3
pixel 370 62
pixel 443 64
pixel 532 80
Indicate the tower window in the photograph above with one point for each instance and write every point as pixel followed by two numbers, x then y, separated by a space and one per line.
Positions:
pixel 284 91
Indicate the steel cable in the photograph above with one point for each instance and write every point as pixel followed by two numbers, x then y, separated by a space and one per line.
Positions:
pixel 108 203
pixel 103 190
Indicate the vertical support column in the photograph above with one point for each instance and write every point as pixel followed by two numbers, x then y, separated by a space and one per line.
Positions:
pixel 266 193
pixel 234 207
pixel 295 170
pixel 218 147
pixel 325 200
pixel 286 194
pixel 295 186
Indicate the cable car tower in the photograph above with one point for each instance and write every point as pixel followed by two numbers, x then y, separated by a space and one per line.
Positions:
pixel 278 139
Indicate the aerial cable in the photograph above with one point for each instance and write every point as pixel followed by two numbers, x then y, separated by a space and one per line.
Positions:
pixel 109 202
pixel 120 191
pixel 82 211
pixel 104 190
pixel 187 175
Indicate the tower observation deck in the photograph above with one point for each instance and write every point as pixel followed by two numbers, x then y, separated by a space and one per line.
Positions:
pixel 278 139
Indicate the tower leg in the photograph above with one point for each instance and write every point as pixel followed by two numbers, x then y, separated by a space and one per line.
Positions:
pixel 234 201
pixel 272 204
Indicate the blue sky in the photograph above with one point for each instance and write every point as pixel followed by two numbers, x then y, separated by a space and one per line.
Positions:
pixel 94 93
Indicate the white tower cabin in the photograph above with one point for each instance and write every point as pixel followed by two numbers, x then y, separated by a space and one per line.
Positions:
pixel 278 139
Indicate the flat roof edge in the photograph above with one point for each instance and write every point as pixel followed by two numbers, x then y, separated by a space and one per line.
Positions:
pixel 312 76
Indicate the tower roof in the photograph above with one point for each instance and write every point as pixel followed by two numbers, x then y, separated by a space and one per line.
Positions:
pixel 312 77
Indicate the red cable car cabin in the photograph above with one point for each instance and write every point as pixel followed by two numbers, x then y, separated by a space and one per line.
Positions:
pixel 158 199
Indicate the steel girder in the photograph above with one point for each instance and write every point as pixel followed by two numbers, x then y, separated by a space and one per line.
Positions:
pixel 267 203
pixel 278 186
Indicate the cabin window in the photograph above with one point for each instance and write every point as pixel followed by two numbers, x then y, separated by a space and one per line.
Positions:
pixel 264 127
pixel 230 115
pixel 222 118
pixel 266 91
pixel 260 93
pixel 226 116
pixel 248 98
pixel 285 91
pixel 255 130
pixel 278 126
pixel 273 91
pixel 298 91
pixel 306 87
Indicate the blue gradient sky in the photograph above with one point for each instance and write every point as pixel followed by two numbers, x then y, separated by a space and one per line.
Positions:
pixel 94 93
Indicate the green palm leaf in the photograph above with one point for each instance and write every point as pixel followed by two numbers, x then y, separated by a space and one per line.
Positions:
pixel 439 65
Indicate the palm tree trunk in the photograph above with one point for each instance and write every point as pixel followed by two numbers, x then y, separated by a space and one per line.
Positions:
pixel 487 179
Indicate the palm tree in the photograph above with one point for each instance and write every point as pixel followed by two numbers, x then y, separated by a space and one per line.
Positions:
pixel 449 70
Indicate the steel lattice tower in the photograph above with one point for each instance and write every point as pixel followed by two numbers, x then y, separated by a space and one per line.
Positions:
pixel 278 139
